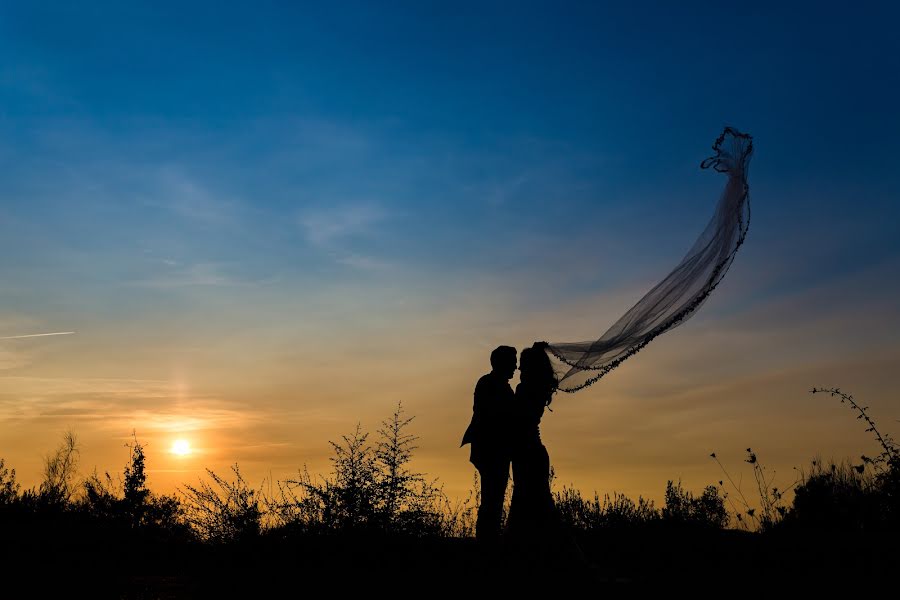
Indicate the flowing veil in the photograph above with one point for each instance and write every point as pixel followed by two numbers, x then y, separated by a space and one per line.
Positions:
pixel 677 297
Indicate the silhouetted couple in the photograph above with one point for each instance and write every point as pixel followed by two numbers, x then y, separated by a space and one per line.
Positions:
pixel 505 429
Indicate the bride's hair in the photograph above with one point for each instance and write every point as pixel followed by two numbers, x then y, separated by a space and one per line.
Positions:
pixel 538 370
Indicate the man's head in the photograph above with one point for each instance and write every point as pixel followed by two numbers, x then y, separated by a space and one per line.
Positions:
pixel 503 361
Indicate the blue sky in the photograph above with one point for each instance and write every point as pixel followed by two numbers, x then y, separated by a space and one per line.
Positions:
pixel 443 126
pixel 202 188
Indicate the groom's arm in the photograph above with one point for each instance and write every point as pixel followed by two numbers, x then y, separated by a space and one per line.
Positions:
pixel 479 403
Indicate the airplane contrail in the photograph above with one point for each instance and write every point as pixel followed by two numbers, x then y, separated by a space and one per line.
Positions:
pixel 18 337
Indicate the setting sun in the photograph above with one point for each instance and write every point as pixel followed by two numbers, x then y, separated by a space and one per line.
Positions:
pixel 181 447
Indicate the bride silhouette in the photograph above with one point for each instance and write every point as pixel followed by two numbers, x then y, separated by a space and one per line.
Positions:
pixel 532 513
pixel 534 525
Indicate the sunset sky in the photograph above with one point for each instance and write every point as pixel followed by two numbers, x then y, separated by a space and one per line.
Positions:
pixel 267 223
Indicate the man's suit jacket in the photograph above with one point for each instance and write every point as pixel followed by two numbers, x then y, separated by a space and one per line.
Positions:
pixel 491 415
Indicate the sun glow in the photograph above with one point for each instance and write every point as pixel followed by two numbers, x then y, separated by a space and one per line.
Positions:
pixel 181 448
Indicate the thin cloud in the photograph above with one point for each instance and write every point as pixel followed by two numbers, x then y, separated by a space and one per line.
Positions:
pixel 338 228
pixel 197 274
pixel 189 199
pixel 10 359
pixel 118 404
pixel 324 227
pixel 363 263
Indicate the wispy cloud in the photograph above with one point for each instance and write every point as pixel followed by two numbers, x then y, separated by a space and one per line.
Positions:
pixel 363 263
pixel 12 359
pixel 206 274
pixel 187 197
pixel 339 229
pixel 118 404
pixel 326 226
pixel 200 274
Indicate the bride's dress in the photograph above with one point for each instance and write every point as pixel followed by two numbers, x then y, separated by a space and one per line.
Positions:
pixel 531 510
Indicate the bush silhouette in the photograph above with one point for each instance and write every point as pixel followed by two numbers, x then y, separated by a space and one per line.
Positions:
pixel 616 511
pixel 620 512
pixel 707 511
pixel 224 511
pixel 60 485
pixel 371 489
pixel 847 497
pixel 9 488
pixel 129 502
pixel 836 496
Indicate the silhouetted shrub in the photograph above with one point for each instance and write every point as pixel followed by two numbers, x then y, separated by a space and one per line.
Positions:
pixel 9 488
pixel 405 499
pixel 836 496
pixel 371 490
pixel 620 512
pixel 707 510
pixel 224 511
pixel 770 508
pixel 888 482
pixel 135 490
pixel 847 497
pixel 128 502
pixel 60 483
pixel 616 511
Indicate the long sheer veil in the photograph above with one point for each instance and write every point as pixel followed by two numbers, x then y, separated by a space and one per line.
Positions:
pixel 677 297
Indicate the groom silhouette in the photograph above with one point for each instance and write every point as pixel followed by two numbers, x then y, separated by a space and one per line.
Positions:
pixel 489 435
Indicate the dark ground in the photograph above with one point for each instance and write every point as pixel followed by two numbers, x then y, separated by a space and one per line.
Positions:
pixel 124 565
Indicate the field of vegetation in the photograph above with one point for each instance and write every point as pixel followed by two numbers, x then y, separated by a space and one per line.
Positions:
pixel 375 523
